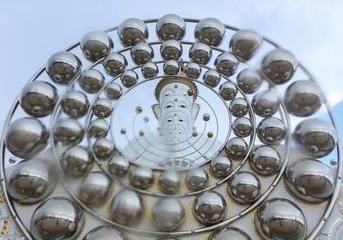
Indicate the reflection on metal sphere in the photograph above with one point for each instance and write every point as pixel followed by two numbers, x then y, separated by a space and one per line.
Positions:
pixel 196 179
pixel 129 78
pixel 171 50
pixel 76 160
pixel 236 148
pixel 193 70
pixel 114 64
pixel 68 131
pixel 238 107
pixel 103 149
pixel 75 104
pixel 221 166
pixel 242 127
pixel 142 53
pixel 265 160
pixel 113 91
pixel 171 67
pixel 102 108
pixel 169 181
pixel 200 53
pixel 211 78
pixel 149 70
pixel 226 63
pixel 142 177
pixel 91 80
pixel 265 103
pixel 96 45
pixel 249 80
pixel 271 130
pixel 105 233
pixel 228 233
pixel 228 90
pixel 170 26
pixel 132 31
pixel 98 128
pixel 210 31
pixel 118 166
pixel 245 43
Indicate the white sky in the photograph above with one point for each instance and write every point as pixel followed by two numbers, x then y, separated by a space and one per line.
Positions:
pixel 31 31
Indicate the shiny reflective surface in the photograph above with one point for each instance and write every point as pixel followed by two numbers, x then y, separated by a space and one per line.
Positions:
pixel 129 78
pixel 171 50
pixel 102 108
pixel 271 130
pixel 91 80
pixel 265 160
pixel 76 160
pixel 171 67
pixel 238 107
pixel 228 90
pixel 142 177
pixel 242 127
pixel 114 64
pixel 118 166
pixel 103 149
pixel 265 103
pixel 200 53
pixel 221 166
pixel 114 91
pixel 226 63
pixel 96 45
pixel 210 31
pixel 228 233
pixel 249 80
pixel 244 43
pixel 149 70
pixel 236 148
pixel 169 181
pixel 105 233
pixel 193 70
pixel 98 128
pixel 211 78
pixel 68 131
pixel 132 31
pixel 170 26
pixel 142 53
pixel 196 179
pixel 244 187
pixel 75 104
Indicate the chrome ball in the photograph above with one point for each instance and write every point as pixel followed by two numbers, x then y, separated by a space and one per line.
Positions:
pixel 310 180
pixel 171 67
pixel 279 65
pixel 142 177
pixel 94 188
pixel 221 166
pixel 75 104
pixel 209 208
pixel 103 149
pixel 168 214
pixel 169 182
pixel 57 218
pixel 30 181
pixel 91 80
pixel 96 45
pixel 114 64
pixel 76 160
pixel 98 128
pixel 132 31
pixel 102 108
pixel 25 137
pixel 280 219
pixel 303 98
pixel 211 78
pixel 265 103
pixel 238 107
pixel 200 53
pixel 68 131
pixel 228 91
pixel 244 43
pixel 142 53
pixel 38 98
pixel 114 91
pixel 197 179
pixel 63 67
pixel 127 207
pixel 271 130
pixel 129 78
pixel 170 26
pixel 210 31
pixel 105 233
pixel 265 160
pixel 226 63
pixel 228 233
pixel 193 70
pixel 242 127
pixel 236 148
pixel 249 80
pixel 244 187
pixel 171 50
pixel 317 137
pixel 149 70
pixel 118 166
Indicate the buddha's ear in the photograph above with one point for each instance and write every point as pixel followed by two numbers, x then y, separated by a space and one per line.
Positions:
pixel 156 109
pixel 195 112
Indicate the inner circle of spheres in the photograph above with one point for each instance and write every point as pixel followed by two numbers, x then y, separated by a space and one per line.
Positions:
pixel 270 179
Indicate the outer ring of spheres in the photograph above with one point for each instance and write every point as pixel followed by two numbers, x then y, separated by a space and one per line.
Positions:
pixel 28 136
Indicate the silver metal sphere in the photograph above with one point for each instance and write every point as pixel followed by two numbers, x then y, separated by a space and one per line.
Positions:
pixel 105 233
pixel 210 31
pixel 114 64
pixel 94 188
pixel 193 70
pixel 236 148
pixel 244 43
pixel 209 208
pixel 228 91
pixel 171 50
pixel 211 78
pixel 200 53
pixel 265 160
pixel 127 207
pixel 242 127
pixel 96 45
pixel 170 26
pixel 63 67
pixel 38 98
pixel 197 179
pixel 310 180
pixel 265 103
pixel 30 181
pixel 228 233
pixel 169 182
pixel 102 108
pixel 98 128
pixel 279 65
pixel 221 166
pixel 149 70
pixel 68 131
pixel 280 219
pixel 303 98
pixel 25 137
pixel 168 214
pixel 57 218
pixel 249 80
pixel 129 78
pixel 76 160
pixel 317 137
pixel 142 177
pixel 113 91
pixel 118 166
pixel 142 53
pixel 238 107
pixel 244 187
pixel 104 149
pixel 132 31
pixel 226 63
pixel 171 67
pixel 206 117
pixel 271 130
pixel 91 80
pixel 75 104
